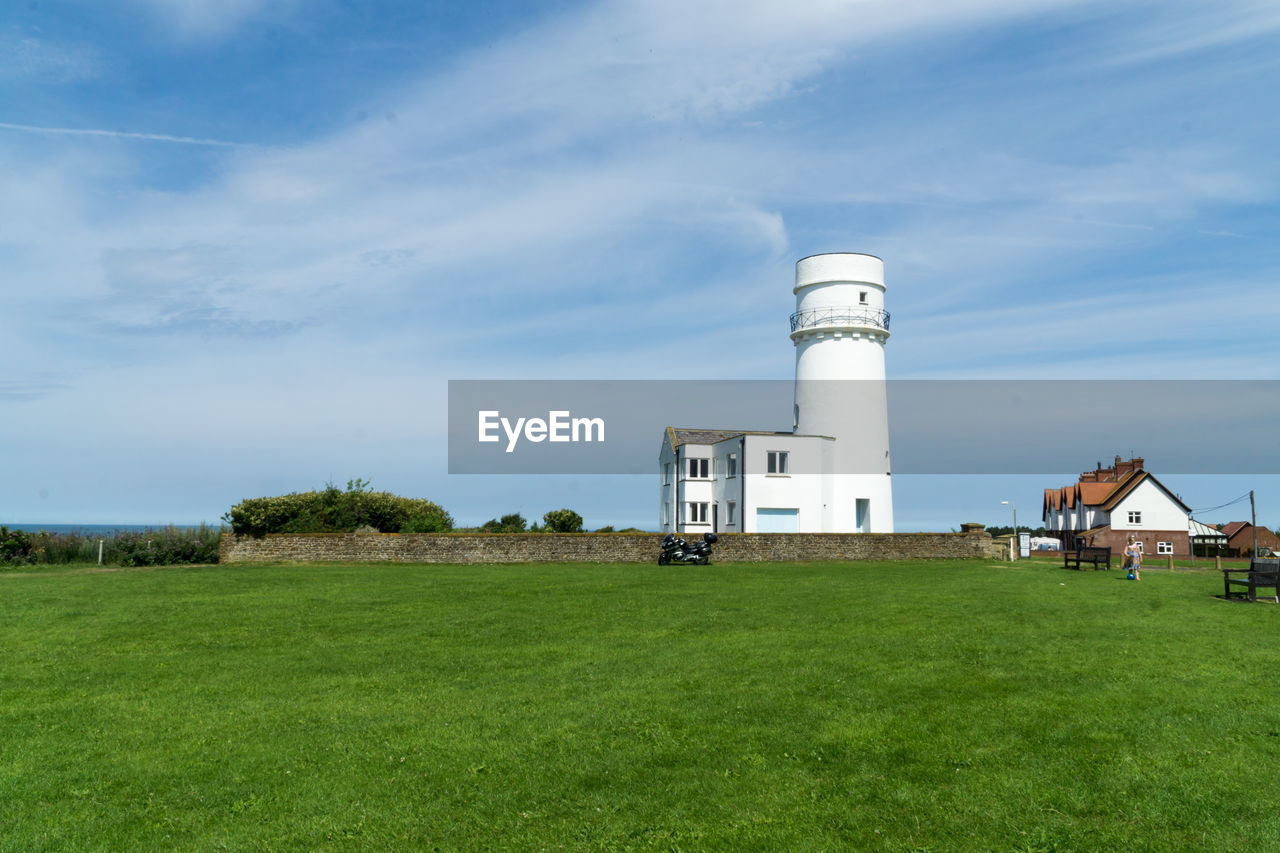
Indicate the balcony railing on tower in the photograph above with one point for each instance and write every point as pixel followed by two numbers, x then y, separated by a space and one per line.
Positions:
pixel 836 316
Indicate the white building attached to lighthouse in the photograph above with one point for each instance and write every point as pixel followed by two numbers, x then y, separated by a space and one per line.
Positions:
pixel 831 473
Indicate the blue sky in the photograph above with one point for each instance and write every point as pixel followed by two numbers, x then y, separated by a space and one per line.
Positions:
pixel 245 243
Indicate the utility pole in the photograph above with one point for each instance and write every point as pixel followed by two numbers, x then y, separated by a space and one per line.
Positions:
pixel 1253 519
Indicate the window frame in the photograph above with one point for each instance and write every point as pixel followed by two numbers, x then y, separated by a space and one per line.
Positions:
pixel 776 463
pixel 693 509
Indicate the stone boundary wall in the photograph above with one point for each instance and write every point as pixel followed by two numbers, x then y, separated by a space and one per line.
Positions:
pixel 593 547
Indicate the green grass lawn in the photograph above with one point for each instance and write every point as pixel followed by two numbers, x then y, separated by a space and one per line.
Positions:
pixel 820 706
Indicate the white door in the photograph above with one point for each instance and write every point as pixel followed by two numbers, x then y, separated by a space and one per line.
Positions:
pixel 775 520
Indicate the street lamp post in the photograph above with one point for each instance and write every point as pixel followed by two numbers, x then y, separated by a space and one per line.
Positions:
pixel 1013 540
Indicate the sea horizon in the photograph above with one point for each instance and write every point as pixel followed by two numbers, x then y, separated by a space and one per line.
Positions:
pixel 99 529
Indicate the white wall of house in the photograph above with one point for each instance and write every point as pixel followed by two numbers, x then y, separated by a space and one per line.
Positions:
pixel 728 486
pixel 1078 517
pixel 1092 516
pixel 697 489
pixel 800 488
pixel 1159 511
pixel 686 498
pixel 667 486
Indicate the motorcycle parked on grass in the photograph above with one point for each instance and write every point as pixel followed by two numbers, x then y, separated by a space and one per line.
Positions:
pixel 676 550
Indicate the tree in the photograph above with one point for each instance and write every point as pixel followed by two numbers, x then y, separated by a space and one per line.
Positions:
pixel 512 522
pixel 563 521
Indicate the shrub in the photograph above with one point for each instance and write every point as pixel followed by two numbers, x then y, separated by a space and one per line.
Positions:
pixel 428 523
pixel 15 547
pixel 562 521
pixel 336 511
pixel 163 547
pixel 63 548
pixel 511 523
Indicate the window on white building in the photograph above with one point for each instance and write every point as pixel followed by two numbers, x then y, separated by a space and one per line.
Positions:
pixel 731 465
pixel 695 513
pixel 777 461
pixel 666 514
pixel 862 297
pixel 666 474
pixel 732 512
pixel 699 469
pixel 1135 518
pixel 1164 547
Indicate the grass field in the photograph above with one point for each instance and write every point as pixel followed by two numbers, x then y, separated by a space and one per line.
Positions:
pixel 895 706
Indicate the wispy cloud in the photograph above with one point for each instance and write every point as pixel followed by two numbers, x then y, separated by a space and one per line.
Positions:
pixel 122 134
pixel 1192 29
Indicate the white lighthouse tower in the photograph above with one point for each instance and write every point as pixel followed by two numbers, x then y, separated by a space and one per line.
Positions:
pixel 839 330
pixel 830 473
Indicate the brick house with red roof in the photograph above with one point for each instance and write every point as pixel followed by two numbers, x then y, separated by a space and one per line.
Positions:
pixel 1108 505
pixel 1240 539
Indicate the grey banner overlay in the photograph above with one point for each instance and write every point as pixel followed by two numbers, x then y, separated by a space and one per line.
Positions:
pixel 935 426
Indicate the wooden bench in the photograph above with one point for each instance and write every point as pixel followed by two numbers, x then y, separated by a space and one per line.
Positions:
pixel 1261 573
pixel 1096 556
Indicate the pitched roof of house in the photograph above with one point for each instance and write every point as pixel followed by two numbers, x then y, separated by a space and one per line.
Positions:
pixel 677 436
pixel 1094 494
pixel 1205 531
pixel 1231 528
pixel 1126 486
pixel 1122 489
pixel 1106 495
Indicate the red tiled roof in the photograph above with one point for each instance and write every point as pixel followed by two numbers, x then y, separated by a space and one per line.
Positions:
pixel 1093 494
pixel 1231 528
pixel 1130 482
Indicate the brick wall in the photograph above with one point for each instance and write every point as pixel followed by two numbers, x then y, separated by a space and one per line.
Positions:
pixel 1116 540
pixel 593 547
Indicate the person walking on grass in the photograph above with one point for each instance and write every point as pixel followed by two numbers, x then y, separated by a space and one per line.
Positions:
pixel 1133 558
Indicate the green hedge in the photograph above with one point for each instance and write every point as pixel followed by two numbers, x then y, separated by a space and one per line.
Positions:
pixel 166 546
pixel 155 546
pixel 336 511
